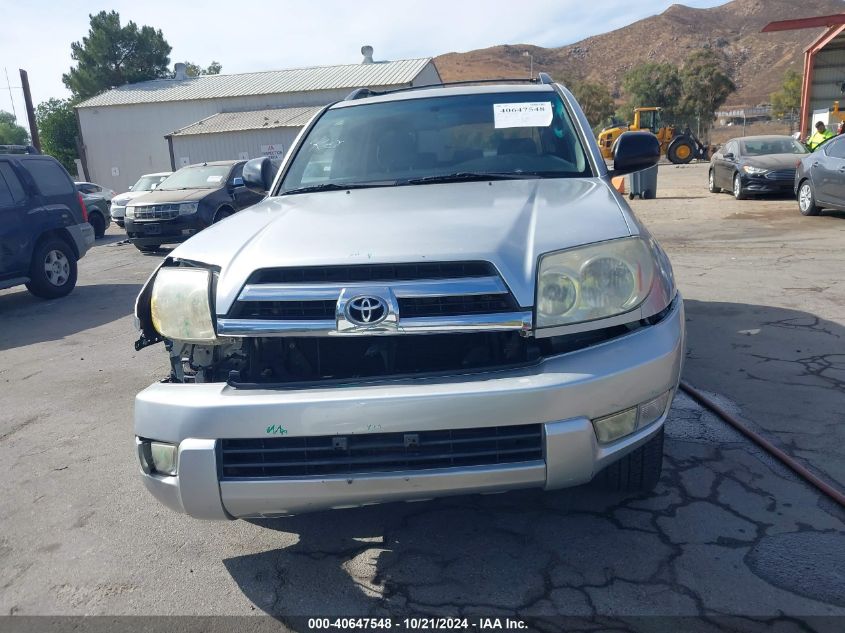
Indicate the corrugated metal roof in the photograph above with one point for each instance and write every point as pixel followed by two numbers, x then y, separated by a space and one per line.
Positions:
pixel 252 120
pixel 262 83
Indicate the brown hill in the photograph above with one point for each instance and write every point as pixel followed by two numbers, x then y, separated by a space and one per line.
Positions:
pixel 756 60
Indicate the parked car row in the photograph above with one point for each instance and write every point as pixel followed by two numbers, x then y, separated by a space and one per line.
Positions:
pixel 774 164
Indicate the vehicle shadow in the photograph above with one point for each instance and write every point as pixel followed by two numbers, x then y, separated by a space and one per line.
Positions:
pixel 446 554
pixel 25 319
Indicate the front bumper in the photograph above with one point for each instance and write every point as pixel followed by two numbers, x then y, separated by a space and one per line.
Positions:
pixel 172 231
pixel 761 184
pixel 563 393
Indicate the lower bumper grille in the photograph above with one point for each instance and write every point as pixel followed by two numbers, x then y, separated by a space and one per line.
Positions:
pixel 379 452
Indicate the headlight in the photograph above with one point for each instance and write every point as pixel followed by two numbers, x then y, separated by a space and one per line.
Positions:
pixel 187 208
pixel 593 282
pixel 130 212
pixel 749 169
pixel 180 305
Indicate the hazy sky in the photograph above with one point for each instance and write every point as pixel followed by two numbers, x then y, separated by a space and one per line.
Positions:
pixel 36 34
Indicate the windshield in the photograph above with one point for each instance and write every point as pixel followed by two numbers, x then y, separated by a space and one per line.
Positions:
pixel 196 177
pixel 511 134
pixel 145 183
pixel 762 147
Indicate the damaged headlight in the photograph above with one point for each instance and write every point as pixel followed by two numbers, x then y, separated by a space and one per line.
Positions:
pixel 593 282
pixel 180 305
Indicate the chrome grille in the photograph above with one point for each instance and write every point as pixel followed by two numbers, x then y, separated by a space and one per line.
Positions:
pixel 379 452
pixel 781 174
pixel 423 297
pixel 157 212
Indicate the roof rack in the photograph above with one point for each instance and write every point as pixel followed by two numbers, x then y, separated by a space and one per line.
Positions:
pixel 361 93
pixel 18 149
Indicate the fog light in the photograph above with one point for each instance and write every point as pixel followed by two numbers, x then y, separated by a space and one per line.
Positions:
pixel 612 427
pixel 653 410
pixel 164 457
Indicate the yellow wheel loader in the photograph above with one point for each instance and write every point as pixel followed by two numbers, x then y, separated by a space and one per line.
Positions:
pixel 679 147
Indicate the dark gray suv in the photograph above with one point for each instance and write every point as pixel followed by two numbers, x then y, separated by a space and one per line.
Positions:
pixel 44 225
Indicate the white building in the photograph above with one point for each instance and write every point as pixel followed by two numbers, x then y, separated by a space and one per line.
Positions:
pixel 162 124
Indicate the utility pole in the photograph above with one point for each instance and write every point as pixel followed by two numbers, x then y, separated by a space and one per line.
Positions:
pixel 30 111
pixel 530 63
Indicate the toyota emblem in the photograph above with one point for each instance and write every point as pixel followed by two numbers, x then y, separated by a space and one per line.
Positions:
pixel 366 310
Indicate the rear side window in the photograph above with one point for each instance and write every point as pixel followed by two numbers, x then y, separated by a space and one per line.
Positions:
pixel 835 148
pixel 50 178
pixel 11 190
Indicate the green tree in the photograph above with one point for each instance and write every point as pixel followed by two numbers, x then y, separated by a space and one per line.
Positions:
pixel 595 100
pixel 112 55
pixel 787 100
pixel 195 70
pixel 57 130
pixel 10 132
pixel 706 86
pixel 653 84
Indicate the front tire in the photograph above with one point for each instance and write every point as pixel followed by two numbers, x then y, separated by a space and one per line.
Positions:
pixel 639 470
pixel 52 273
pixel 681 151
pixel 739 194
pixel 99 223
pixel 147 248
pixel 222 214
pixel 711 184
pixel 807 199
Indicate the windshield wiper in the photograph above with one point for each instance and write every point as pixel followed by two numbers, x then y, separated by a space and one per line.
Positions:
pixel 332 186
pixel 468 175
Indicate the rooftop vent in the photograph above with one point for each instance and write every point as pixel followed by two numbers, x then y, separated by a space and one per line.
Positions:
pixel 181 71
pixel 367 52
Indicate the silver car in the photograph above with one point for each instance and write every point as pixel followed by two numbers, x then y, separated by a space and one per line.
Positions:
pixel 441 294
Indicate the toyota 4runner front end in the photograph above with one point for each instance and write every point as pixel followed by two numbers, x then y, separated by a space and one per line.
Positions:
pixel 441 294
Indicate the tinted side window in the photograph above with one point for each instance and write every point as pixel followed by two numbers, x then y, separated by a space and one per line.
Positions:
pixel 835 148
pixel 732 148
pixel 50 178
pixel 237 172
pixel 11 189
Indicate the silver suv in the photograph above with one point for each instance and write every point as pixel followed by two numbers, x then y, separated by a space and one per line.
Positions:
pixel 441 294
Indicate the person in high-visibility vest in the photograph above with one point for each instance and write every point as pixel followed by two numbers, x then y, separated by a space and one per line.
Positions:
pixel 820 136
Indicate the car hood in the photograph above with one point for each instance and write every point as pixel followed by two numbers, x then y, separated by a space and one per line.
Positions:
pixel 163 197
pixel 774 161
pixel 128 196
pixel 509 223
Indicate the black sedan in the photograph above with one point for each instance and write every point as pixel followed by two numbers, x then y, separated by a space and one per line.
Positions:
pixel 756 165
pixel 186 202
pixel 820 178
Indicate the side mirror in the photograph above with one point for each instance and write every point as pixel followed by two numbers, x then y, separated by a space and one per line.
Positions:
pixel 728 156
pixel 155 184
pixel 258 175
pixel 634 151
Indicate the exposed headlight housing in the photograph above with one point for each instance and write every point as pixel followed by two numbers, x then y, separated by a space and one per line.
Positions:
pixel 750 169
pixel 180 305
pixel 593 282
pixel 187 208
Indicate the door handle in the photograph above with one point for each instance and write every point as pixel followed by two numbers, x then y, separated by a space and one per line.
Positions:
pixel 815 163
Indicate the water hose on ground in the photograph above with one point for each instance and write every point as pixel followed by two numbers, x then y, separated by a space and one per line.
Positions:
pixel 802 471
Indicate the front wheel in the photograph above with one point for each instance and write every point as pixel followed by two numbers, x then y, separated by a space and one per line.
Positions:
pixel 807 199
pixel 52 273
pixel 739 194
pixel 638 470
pixel 711 183
pixel 222 214
pixel 147 248
pixel 681 151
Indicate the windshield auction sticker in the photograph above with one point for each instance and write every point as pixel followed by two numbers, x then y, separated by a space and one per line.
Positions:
pixel 537 114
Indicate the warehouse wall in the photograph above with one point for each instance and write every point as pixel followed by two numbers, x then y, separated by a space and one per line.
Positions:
pixel 828 74
pixel 199 148
pixel 130 138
